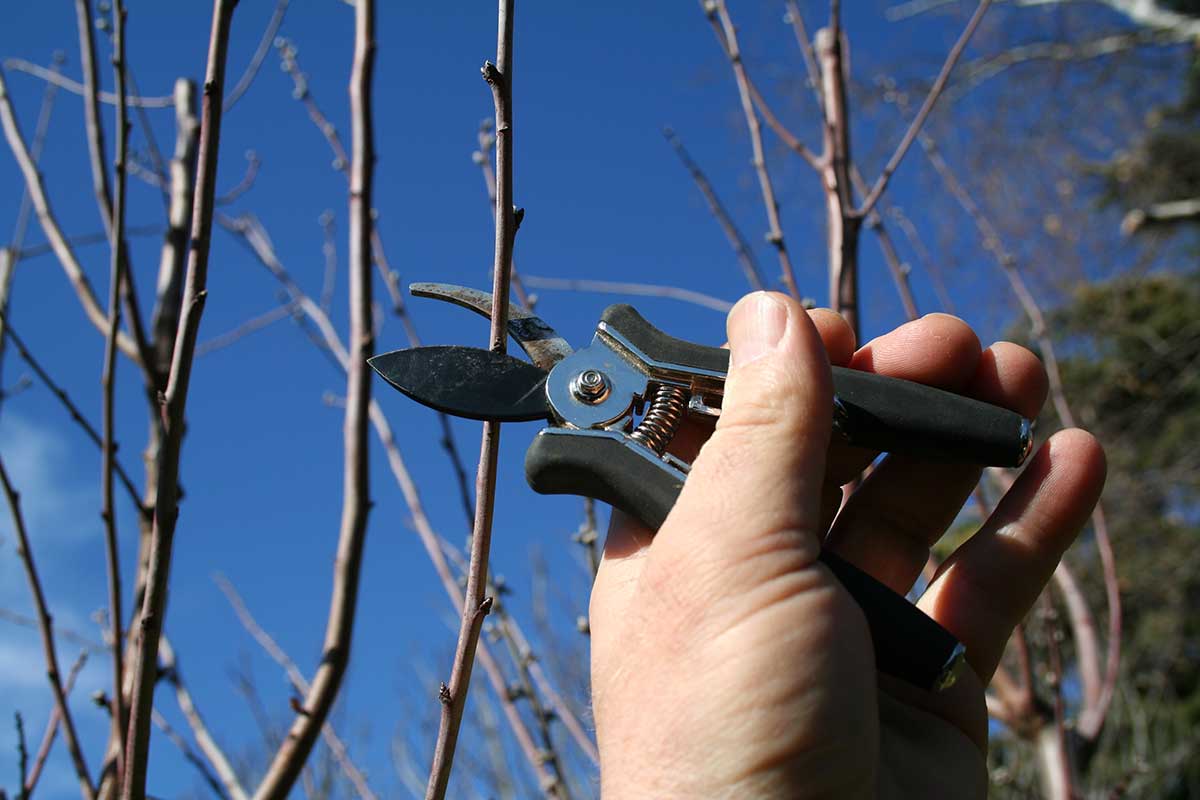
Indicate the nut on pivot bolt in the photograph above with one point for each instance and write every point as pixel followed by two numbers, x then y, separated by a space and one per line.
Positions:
pixel 590 386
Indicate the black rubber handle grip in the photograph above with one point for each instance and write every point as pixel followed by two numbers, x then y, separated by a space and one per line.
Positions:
pixel 873 411
pixel 601 465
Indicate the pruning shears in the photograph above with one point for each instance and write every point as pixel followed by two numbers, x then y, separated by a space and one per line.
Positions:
pixel 614 407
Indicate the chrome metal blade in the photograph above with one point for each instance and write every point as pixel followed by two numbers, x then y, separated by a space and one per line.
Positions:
pixel 540 342
pixel 467 382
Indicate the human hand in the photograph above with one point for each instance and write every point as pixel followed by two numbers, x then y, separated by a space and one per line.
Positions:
pixel 728 662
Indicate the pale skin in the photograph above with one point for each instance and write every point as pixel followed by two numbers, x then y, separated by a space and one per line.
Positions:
pixel 728 663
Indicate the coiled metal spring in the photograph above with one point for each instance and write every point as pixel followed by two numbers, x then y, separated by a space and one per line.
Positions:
pixel 662 419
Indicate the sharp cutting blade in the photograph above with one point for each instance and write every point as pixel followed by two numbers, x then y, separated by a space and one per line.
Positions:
pixel 540 342
pixel 467 382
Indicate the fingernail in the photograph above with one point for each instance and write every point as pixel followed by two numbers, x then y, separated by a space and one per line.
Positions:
pixel 755 327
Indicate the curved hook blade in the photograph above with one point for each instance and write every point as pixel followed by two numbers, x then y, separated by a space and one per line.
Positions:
pixel 540 342
pixel 467 382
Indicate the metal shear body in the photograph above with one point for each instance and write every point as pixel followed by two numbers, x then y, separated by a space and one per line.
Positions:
pixel 615 406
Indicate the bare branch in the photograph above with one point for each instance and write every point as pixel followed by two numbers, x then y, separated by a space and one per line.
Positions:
pixel 298 682
pixel 926 260
pixel 169 292
pixel 212 751
pixel 487 141
pixel 804 42
pixel 74 87
pixel 743 252
pixel 260 54
pixel 37 192
pixel 12 253
pixel 841 225
pixel 1083 631
pixel 1091 718
pixel 72 409
pixel 930 99
pixel 789 139
pixel 21 226
pixel 329 250
pixel 722 25
pixel 166 508
pixel 620 287
pixel 190 755
pixel 91 107
pixel 499 77
pixel 327 340
pixel 116 226
pixel 244 185
pixel 100 183
pixel 52 726
pixel 46 627
pixel 287 55
pixel 1175 211
pixel 289 759
pixel 898 269
pixel 983 69
pixel 245 329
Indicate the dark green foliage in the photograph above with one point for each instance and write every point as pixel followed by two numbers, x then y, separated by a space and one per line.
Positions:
pixel 1163 165
pixel 1130 360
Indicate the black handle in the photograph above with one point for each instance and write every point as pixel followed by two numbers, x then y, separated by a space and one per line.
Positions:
pixel 873 411
pixel 606 467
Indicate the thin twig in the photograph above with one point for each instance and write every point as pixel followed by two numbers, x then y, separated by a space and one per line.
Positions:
pixel 329 250
pixel 72 409
pixel 52 726
pixel 208 746
pixel 898 268
pixel 88 239
pixel 487 142
pixel 1065 779
pixel 289 759
pixel 804 42
pixel 299 683
pixel 46 627
pixel 40 132
pixel 742 250
pixel 790 140
pixel 50 227
pixel 189 755
pixel 1175 212
pixel 326 338
pixel 22 750
pixel 1083 631
pixel 588 536
pixel 63 82
pixel 248 327
pixel 91 108
pixel 246 183
pixel 621 287
pixel 10 255
pixel 499 77
pixel 116 225
pixel 174 404
pixel 260 54
pixel 928 264
pixel 1092 716
pixel 100 182
pixel 930 99
pixel 723 28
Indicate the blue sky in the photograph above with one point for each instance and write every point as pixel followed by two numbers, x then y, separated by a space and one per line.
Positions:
pixel 605 199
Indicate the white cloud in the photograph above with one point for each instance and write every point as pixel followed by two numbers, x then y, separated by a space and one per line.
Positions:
pixel 58 508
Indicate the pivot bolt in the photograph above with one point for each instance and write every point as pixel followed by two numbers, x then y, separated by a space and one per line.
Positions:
pixel 590 386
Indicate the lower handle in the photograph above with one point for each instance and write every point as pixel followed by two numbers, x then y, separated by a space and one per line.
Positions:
pixel 607 466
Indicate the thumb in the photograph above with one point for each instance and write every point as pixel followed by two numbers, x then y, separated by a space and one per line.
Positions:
pixel 754 490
